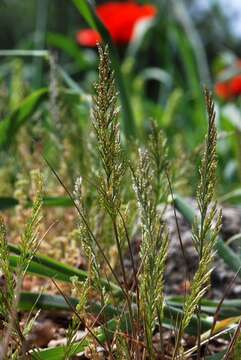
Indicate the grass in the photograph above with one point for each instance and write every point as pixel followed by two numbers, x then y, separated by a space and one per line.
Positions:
pixel 107 209
pixel 85 175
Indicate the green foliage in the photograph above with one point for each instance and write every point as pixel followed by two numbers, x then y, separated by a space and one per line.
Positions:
pixel 206 233
pixel 106 127
pixel 150 188
pixel 69 46
pixel 81 290
pixel 11 124
pixel 6 275
pixel 30 239
pixel 237 348
pixel 110 216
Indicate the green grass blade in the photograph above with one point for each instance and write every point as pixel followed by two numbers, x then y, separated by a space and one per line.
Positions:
pixel 48 201
pixel 7 202
pixel 44 266
pixel 199 51
pixel 24 53
pixel 88 12
pixel 10 125
pixel 38 301
pixel 231 195
pixel 229 308
pixel 223 250
pixel 29 300
pixel 36 268
pixel 57 201
pixel 172 311
pixel 71 83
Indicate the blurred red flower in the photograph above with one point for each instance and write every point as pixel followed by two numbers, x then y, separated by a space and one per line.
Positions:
pixel 222 90
pixel 231 88
pixel 120 19
pixel 235 86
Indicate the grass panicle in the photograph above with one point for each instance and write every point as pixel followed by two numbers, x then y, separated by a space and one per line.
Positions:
pixel 29 244
pixel 206 228
pixel 6 275
pixel 148 179
pixel 80 290
pixel 107 130
pixel 30 239
pixel 123 314
pixel 237 348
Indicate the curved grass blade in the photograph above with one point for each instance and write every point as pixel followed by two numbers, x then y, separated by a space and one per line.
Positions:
pixel 48 201
pixel 232 195
pixel 29 300
pixel 38 301
pixel 57 201
pixel 7 202
pixel 44 266
pixel 229 308
pixel 11 124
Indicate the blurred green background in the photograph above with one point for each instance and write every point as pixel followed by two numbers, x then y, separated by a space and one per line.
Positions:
pixel 161 76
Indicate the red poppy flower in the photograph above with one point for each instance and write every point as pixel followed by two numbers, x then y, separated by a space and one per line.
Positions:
pixel 235 86
pixel 230 88
pixel 222 90
pixel 120 19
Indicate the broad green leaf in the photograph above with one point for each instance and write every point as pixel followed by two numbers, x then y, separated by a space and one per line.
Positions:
pixel 223 250
pixel 10 125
